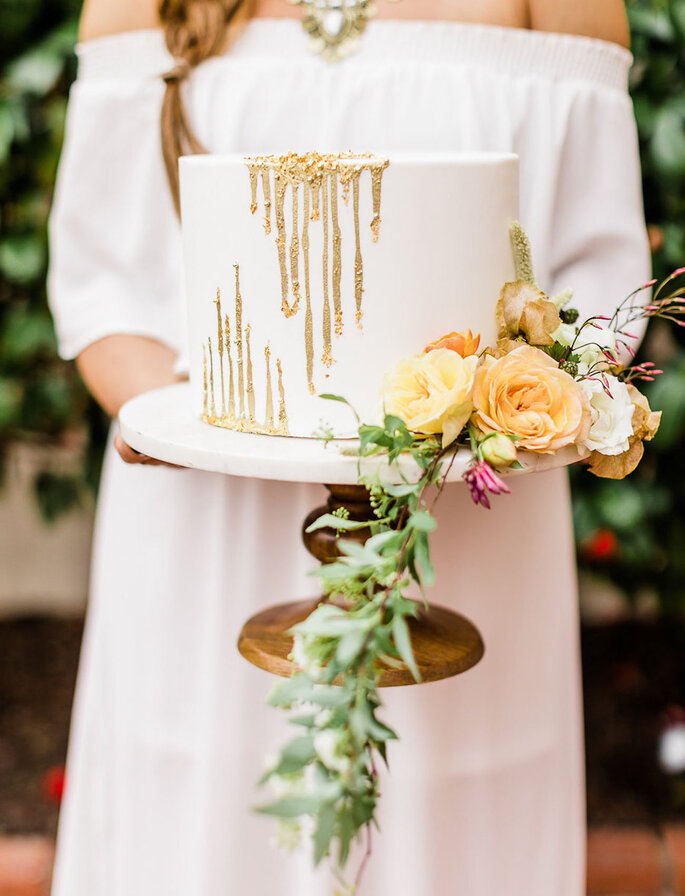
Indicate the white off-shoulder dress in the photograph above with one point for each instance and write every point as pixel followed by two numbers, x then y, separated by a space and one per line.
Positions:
pixel 486 791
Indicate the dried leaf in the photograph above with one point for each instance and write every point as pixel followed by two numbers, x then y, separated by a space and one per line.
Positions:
pixel 525 310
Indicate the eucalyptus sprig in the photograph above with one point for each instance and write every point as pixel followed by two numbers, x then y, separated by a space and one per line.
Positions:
pixel 326 776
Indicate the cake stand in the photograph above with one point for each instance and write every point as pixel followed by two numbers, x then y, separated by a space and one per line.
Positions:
pixel 162 425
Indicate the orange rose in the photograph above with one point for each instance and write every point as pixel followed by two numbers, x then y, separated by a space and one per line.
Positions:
pixel 463 344
pixel 525 394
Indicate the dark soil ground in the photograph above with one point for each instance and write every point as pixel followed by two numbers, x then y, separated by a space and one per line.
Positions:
pixel 632 674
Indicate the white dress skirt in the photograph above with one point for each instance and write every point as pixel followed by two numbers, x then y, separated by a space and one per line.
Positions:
pixel 486 791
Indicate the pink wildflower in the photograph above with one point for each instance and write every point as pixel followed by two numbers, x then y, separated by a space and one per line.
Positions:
pixel 481 479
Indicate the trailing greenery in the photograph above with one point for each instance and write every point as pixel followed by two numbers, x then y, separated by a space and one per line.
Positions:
pixel 328 772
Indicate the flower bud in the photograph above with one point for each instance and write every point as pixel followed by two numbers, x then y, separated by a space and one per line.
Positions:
pixel 498 450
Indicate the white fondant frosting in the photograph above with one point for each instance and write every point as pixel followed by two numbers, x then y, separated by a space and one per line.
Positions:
pixel 334 309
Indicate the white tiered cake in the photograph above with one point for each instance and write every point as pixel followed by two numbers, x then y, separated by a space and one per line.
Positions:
pixel 315 274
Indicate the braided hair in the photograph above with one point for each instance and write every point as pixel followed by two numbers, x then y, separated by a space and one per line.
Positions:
pixel 194 30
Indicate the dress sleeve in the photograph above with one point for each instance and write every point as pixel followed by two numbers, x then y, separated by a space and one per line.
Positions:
pixel 115 250
pixel 598 242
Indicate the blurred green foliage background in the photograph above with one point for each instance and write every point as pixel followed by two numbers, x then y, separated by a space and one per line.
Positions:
pixel 632 532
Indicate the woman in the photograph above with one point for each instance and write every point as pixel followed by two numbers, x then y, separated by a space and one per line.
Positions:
pixel 486 792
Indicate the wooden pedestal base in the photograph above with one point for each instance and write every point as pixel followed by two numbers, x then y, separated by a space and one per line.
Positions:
pixel 444 643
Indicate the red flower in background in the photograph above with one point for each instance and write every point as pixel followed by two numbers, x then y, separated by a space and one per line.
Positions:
pixel 602 545
pixel 53 784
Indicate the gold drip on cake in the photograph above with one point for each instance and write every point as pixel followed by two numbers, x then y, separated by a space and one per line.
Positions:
pixel 253 190
pixel 308 322
pixel 325 177
pixel 282 413
pixel 212 407
pixel 239 342
pixel 337 256
pixel 250 385
pixel 295 252
pixel 281 242
pixel 376 181
pixel 246 388
pixel 220 348
pixel 231 383
pixel 327 347
pixel 358 261
pixel 266 189
pixel 269 413
pixel 316 208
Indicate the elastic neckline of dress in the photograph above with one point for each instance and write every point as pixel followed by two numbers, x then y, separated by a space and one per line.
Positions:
pixel 516 51
pixel 450 23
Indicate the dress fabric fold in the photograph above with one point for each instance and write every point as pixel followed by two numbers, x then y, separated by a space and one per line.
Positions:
pixel 486 790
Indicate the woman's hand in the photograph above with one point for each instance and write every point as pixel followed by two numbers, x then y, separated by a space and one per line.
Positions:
pixel 131 456
pixel 117 368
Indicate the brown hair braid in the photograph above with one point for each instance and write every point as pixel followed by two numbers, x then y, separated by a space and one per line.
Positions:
pixel 194 30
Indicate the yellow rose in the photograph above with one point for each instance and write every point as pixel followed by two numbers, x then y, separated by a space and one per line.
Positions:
pixel 431 392
pixel 525 394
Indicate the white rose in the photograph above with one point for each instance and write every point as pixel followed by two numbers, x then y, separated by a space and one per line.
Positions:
pixel 612 416
pixel 328 744
pixel 565 334
pixel 592 341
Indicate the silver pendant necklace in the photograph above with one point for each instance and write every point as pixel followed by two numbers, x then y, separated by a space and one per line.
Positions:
pixel 335 26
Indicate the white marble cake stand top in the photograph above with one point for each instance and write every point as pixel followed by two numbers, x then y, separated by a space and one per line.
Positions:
pixel 161 424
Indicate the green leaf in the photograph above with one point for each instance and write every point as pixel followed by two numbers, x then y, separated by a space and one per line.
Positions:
pixel 22 258
pixel 26 334
pixel 362 553
pixel 350 648
pixel 347 831
pixel 400 632
pixel 652 23
pixel 384 541
pixel 423 559
pixel 339 398
pixel 677 11
pixel 667 393
pixel 559 351
pixel 325 829
pixel 291 807
pixel 11 395
pixel 297 689
pixel 329 521
pixel 403 490
pixel 295 755
pixel 39 69
pixel 6 131
pixel 305 721
pixel 56 494
pixel 422 521
pixel 621 505
pixel 668 141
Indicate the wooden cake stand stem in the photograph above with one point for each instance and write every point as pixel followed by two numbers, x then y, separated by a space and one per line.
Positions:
pixel 444 643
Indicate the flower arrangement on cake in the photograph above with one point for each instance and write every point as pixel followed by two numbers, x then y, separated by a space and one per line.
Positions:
pixel 549 384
